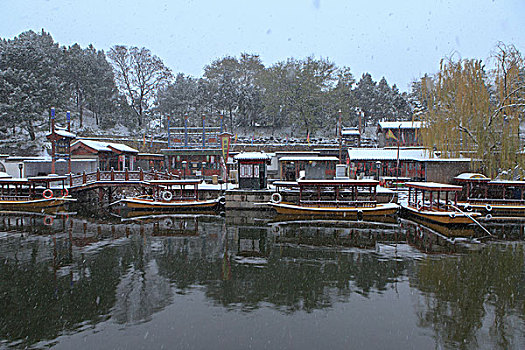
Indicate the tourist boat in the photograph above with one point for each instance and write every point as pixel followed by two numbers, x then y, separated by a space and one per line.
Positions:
pixel 431 201
pixel 498 198
pixel 346 198
pixel 173 196
pixel 33 193
pixel 394 182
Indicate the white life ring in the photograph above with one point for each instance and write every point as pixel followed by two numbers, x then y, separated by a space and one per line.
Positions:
pixel 276 198
pixel 452 215
pixel 488 207
pixel 468 207
pixel 48 193
pixel 419 205
pixel 488 216
pixel 167 196
pixel 222 201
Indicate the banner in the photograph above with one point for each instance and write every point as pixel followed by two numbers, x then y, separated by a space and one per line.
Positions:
pixel 225 145
pixel 390 135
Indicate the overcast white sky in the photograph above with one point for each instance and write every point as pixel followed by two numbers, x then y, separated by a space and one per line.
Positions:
pixel 400 40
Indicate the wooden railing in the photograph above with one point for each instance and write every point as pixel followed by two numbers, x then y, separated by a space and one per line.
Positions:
pixel 117 176
pixel 15 197
pixel 496 201
pixel 337 204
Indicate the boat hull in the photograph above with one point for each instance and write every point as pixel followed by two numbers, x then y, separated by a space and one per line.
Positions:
pixel 496 209
pixel 348 212
pixel 173 206
pixel 35 204
pixel 441 217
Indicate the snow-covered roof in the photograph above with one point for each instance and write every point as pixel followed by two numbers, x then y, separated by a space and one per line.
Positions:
pixel 252 156
pixel 309 158
pixel 472 176
pixel 350 132
pixel 402 125
pixel 450 160
pixel 507 183
pixel 388 154
pixel 152 154
pixel 284 153
pixel 63 132
pixel 102 146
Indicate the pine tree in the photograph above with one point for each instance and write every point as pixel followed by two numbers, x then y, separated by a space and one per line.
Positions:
pixel 31 68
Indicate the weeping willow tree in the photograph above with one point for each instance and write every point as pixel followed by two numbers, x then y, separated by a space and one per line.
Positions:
pixel 471 115
pixel 509 84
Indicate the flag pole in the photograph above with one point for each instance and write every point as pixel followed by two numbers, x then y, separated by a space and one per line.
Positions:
pixel 340 140
pixel 397 167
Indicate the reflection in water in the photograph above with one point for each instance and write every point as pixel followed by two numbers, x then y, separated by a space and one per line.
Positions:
pixel 62 277
pixel 472 294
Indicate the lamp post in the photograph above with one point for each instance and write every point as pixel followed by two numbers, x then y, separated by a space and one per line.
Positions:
pixel 184 169
pixel 20 167
pixel 378 168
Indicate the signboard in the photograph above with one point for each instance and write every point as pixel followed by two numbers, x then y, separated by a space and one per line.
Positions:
pixel 225 145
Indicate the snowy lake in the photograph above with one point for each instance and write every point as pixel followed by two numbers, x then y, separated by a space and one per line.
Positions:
pixel 260 282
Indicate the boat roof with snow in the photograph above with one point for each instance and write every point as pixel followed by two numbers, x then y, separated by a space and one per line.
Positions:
pixel 313 183
pixel 471 177
pixel 31 180
pixel 433 186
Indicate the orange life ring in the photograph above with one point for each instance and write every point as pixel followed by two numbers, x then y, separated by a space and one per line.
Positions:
pixel 48 220
pixel 65 192
pixel 48 193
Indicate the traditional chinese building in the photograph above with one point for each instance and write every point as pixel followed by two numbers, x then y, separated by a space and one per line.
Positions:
pixel 351 136
pixel 405 133
pixel 414 163
pixel 193 162
pixel 151 161
pixel 252 170
pixel 60 139
pixel 377 162
pixel 107 154
pixel 197 151
pixel 292 168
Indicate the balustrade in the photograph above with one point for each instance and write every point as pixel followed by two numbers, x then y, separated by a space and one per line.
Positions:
pixel 117 176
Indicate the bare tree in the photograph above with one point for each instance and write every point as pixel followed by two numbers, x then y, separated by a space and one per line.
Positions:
pixel 139 75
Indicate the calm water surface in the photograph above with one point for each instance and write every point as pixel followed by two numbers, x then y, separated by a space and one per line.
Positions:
pixel 257 281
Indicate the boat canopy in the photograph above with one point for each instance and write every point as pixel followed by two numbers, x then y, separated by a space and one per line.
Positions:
pixel 471 177
pixel 326 183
